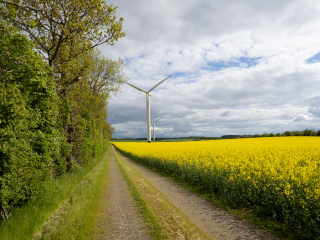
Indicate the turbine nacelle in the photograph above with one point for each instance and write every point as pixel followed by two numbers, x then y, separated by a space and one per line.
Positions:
pixel 141 90
pixel 156 121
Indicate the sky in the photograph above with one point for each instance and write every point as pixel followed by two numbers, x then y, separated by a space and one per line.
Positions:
pixel 237 66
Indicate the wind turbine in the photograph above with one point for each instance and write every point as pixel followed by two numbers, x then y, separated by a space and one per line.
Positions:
pixel 154 136
pixel 148 95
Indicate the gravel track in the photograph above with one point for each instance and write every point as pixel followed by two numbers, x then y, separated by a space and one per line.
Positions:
pixel 119 217
pixel 217 223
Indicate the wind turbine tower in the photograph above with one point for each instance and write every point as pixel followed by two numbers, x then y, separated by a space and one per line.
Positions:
pixel 154 136
pixel 148 95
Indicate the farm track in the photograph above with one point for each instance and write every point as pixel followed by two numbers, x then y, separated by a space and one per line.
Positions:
pixel 215 222
pixel 119 217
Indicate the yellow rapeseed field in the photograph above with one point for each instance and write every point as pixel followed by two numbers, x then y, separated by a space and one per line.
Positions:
pixel 278 176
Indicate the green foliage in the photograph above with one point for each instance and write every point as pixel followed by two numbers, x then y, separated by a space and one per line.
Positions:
pixel 287 133
pixel 88 129
pixel 64 31
pixel 307 132
pixel 53 115
pixel 26 220
pixel 28 140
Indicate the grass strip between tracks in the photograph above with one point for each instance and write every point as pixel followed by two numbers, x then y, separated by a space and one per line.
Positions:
pixel 165 220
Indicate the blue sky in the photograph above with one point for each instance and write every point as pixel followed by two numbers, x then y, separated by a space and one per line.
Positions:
pixel 314 59
pixel 237 66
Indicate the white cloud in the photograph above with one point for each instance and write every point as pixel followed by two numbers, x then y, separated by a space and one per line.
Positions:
pixel 301 117
pixel 238 66
pixel 315 110
pixel 182 127
pixel 226 114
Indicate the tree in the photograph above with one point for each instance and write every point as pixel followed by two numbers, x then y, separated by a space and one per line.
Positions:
pixel 29 142
pixel 65 29
pixel 45 123
pixel 88 101
pixel 20 5
pixel 79 24
pixel 287 133
pixel 65 32
pixel 106 75
pixel 307 132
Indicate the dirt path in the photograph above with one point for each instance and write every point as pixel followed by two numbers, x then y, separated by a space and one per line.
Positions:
pixel 119 217
pixel 217 223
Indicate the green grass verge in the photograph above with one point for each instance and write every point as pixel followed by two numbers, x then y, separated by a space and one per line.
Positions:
pixel 75 218
pixel 28 219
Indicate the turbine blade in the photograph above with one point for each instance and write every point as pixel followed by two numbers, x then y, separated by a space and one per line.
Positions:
pixel 157 120
pixel 139 89
pixel 158 84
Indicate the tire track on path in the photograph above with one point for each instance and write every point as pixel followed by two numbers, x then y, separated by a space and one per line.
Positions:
pixel 119 217
pixel 217 223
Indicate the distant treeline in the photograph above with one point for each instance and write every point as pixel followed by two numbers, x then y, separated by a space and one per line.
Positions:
pixel 165 139
pixel 306 132
pixel 54 88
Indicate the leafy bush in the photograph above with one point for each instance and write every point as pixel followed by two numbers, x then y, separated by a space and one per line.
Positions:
pixel 29 142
